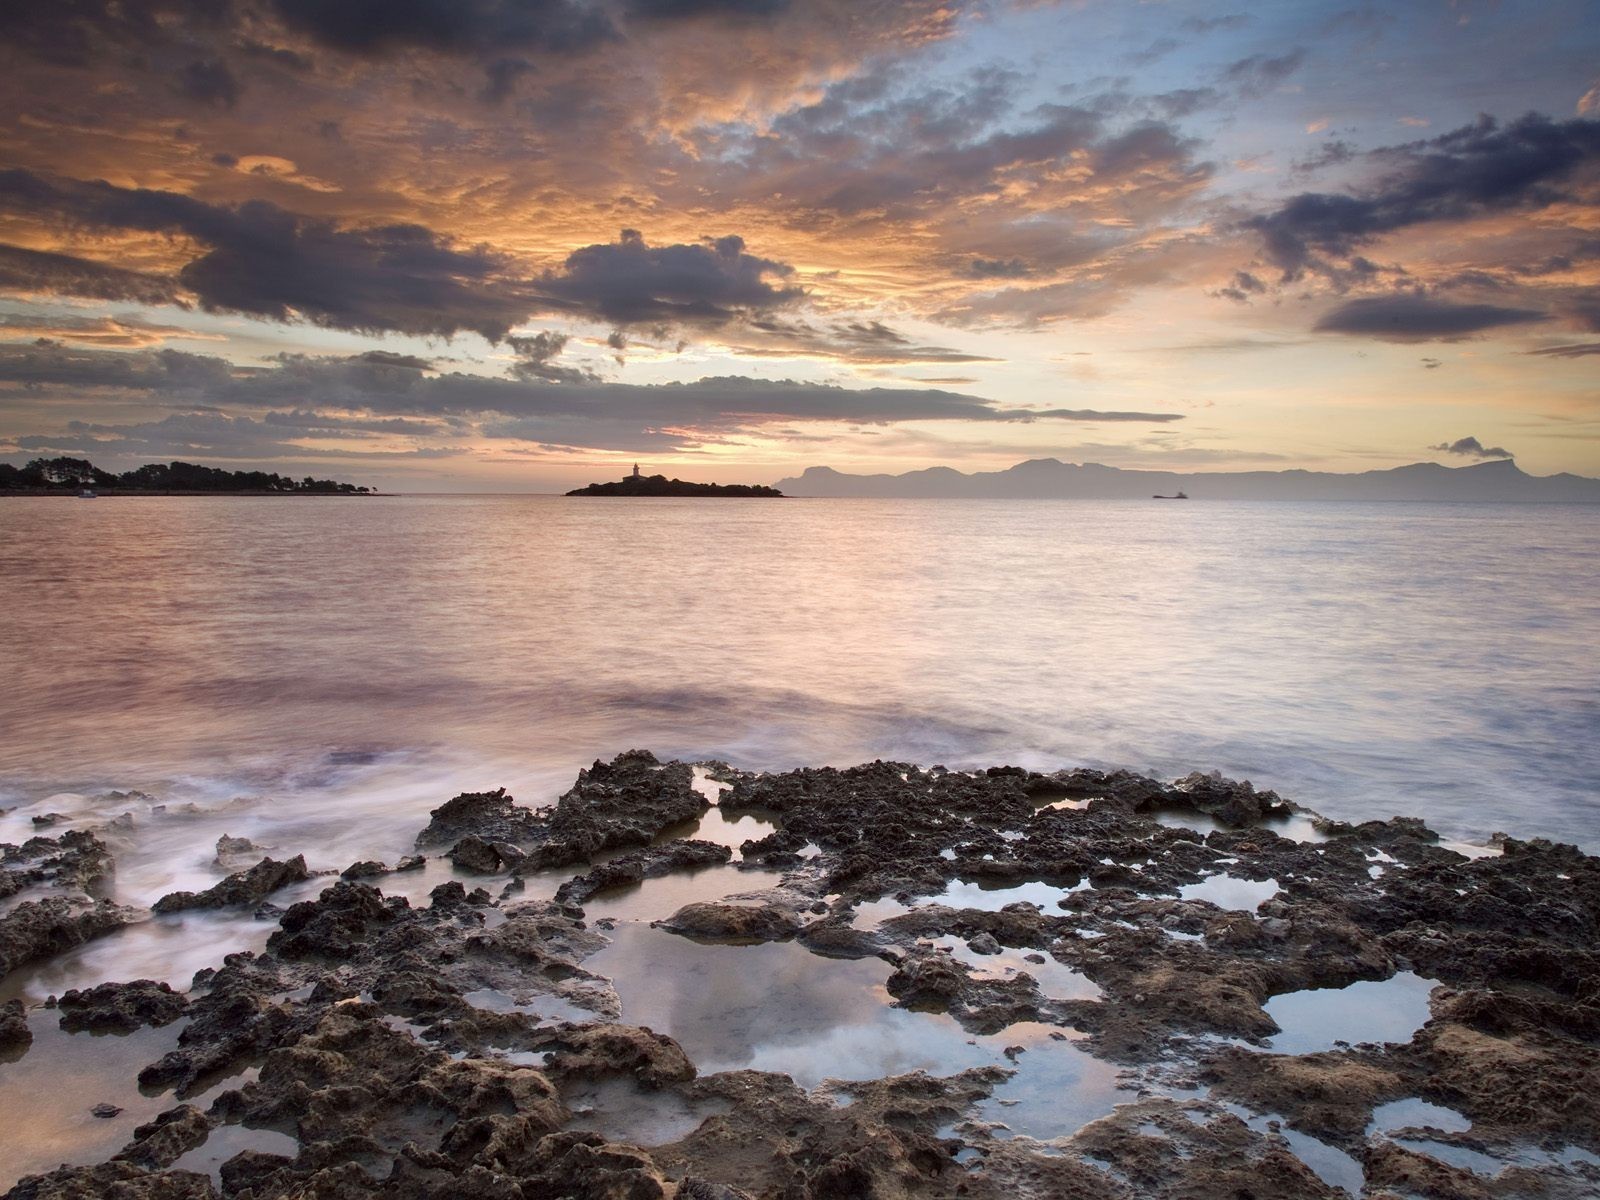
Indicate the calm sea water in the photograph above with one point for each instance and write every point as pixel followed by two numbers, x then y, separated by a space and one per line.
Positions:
pixel 318 673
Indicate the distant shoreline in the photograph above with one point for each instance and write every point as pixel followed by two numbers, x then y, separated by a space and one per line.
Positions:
pixel 106 493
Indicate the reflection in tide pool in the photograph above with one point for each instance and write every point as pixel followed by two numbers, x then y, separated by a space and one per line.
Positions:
pixel 1416 1113
pixel 1231 892
pixel 1058 1087
pixel 1332 1165
pixel 227 1140
pixel 47 1092
pixel 1389 1010
pixel 1056 980
pixel 777 1007
pixel 46 1095
pixel 657 899
pixel 961 893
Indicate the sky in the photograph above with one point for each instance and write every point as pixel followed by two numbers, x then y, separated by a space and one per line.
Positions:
pixel 519 245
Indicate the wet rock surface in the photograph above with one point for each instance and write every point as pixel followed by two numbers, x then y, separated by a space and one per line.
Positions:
pixel 121 1007
pixel 38 929
pixel 241 889
pixel 1149 976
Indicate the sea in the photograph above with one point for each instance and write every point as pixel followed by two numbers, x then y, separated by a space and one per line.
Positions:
pixel 316 673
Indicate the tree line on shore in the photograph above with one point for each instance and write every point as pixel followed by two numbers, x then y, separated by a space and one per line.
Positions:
pixel 68 474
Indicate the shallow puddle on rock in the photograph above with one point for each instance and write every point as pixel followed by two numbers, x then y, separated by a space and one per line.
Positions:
pixel 1389 1010
pixel 778 1007
pixel 714 825
pixel 1331 1165
pixel 1056 980
pixel 1058 1087
pixel 546 1007
pixel 1231 892
pixel 962 893
pixel 46 1095
pixel 1480 1162
pixel 1416 1113
pixel 657 899
pixel 225 1141
pixel 622 1111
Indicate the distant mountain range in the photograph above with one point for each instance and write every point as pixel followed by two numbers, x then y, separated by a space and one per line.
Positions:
pixel 1049 478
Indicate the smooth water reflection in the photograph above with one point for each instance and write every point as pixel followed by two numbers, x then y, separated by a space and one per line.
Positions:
pixel 1388 1010
pixel 203 648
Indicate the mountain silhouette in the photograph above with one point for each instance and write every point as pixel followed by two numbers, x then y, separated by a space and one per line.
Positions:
pixel 1051 479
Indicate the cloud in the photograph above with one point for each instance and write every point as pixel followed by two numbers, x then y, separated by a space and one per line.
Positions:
pixel 70 34
pixel 1260 73
pixel 1243 286
pixel 864 341
pixel 128 329
pixel 215 436
pixel 41 272
pixel 598 415
pixel 536 357
pixel 265 261
pixel 1479 169
pixel 209 82
pixel 472 27
pixel 1572 350
pixel 630 282
pixel 1471 447
pixel 1420 319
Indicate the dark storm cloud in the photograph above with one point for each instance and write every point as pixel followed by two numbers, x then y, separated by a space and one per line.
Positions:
pixel 267 262
pixel 491 27
pixel 1420 319
pixel 48 363
pixel 40 271
pixel 1471 447
pixel 681 9
pixel 1479 169
pixel 68 33
pixel 629 282
pixel 208 82
pixel 264 261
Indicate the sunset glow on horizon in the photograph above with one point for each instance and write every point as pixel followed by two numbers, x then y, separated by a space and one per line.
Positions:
pixel 517 246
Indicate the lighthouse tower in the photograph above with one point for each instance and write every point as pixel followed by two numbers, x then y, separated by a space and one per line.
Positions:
pixel 636 474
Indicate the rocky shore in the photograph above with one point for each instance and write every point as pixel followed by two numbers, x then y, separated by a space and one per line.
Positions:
pixel 1141 988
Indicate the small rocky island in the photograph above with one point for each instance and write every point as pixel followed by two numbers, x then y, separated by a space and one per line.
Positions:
pixel 659 485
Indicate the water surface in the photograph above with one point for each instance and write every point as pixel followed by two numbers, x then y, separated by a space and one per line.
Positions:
pixel 317 673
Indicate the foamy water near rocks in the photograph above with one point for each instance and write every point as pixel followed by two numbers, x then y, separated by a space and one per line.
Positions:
pixel 913 983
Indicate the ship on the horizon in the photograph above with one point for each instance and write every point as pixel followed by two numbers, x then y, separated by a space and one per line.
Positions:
pixel 1179 496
